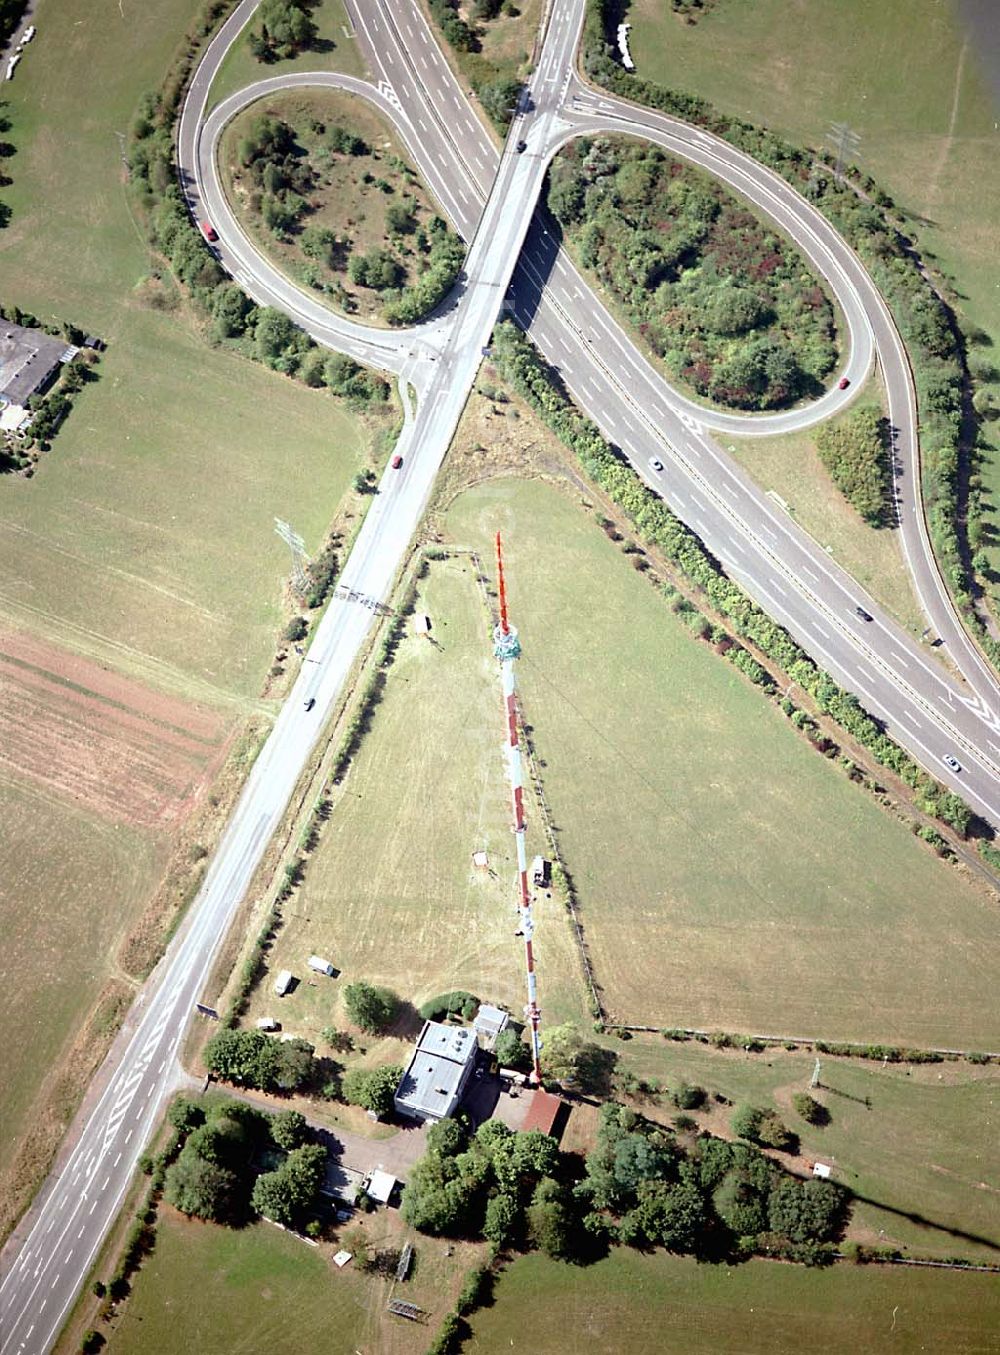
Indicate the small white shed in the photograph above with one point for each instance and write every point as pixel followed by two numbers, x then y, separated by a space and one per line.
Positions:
pixel 821 1170
pixel 267 1023
pixel 381 1186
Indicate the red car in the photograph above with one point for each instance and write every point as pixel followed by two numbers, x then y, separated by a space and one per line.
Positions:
pixel 396 462
pixel 843 383
pixel 209 232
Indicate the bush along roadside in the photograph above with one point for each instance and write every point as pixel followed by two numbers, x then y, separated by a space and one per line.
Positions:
pixel 519 362
pixel 232 319
pixel 934 339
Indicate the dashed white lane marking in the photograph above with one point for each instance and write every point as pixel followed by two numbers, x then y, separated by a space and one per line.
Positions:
pixel 118 1159
pixel 899 658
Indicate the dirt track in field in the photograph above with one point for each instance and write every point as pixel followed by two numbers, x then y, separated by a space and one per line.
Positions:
pixel 88 734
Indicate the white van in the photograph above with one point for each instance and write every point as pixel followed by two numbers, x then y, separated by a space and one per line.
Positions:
pixel 321 966
pixel 283 982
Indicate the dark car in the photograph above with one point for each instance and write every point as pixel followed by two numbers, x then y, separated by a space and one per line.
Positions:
pixel 310 703
pixel 862 614
pixel 521 146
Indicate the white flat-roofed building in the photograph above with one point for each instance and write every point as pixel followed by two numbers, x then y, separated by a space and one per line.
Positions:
pixel 436 1076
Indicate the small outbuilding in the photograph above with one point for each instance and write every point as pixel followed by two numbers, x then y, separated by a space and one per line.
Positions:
pixel 821 1170
pixel 541 872
pixel 320 966
pixel 481 860
pixel 284 982
pixel 380 1186
pixel 489 1022
pixel 422 624
pixel 547 1113
pixel 267 1023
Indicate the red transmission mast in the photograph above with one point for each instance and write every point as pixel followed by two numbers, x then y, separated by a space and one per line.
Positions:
pixel 507 648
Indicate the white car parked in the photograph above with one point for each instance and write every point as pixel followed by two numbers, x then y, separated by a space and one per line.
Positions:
pixel 11 64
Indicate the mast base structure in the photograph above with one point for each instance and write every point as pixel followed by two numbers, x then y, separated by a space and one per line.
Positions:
pixel 507 648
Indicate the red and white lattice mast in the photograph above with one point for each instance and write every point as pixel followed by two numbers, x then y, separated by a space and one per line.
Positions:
pixel 507 648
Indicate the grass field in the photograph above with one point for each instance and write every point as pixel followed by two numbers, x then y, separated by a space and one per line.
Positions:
pixel 335 51
pixel 790 466
pixel 351 195
pixel 728 877
pixel 57 955
pixel 227 1291
pixel 904 75
pixel 910 1141
pixel 631 1304
pixel 391 893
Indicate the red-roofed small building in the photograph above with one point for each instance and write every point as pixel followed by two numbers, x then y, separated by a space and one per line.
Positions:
pixel 547 1113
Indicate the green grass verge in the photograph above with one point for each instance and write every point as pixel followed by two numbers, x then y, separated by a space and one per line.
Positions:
pixel 905 76
pixel 728 877
pixel 632 1303
pixel 790 466
pixel 335 51
pixel 391 893
pixel 913 1143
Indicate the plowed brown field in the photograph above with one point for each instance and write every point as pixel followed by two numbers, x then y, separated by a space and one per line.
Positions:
pixel 82 731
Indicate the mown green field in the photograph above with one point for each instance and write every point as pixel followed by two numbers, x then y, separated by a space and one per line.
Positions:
pixel 728 877
pixel 914 1142
pixel 334 51
pixel 631 1304
pixel 226 1291
pixel 146 535
pixel 904 75
pixel 391 893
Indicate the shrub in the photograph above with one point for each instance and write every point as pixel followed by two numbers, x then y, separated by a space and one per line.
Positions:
pixel 810 1109
pixel 448 1004
pixel 371 1008
pixel 372 1089
pixel 688 1097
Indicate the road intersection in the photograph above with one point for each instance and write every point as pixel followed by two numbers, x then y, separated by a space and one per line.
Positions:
pixel 491 198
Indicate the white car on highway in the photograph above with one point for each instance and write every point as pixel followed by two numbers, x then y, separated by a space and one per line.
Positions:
pixel 655 464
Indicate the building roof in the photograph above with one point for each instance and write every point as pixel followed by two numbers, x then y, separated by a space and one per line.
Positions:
pixel 490 1020
pixel 27 360
pixel 437 1069
pixel 381 1186
pixel 543 1112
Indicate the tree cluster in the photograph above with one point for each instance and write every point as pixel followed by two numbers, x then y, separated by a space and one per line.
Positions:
pixel 729 307
pixel 412 271
pixel 285 29
pixel 520 364
pixel 856 452
pixel 496 1184
pixel 763 1127
pixel 252 1058
pixel 218 1174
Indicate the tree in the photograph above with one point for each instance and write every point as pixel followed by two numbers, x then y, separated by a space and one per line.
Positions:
pixel 283 1195
pixel 746 1121
pixel 196 1186
pixel 806 1211
pixel 499 99
pixel 550 1220
pixel 811 1110
pixel 289 1129
pixel 688 1097
pixel 231 308
pixel 567 1058
pixel 503 1214
pixel 371 1008
pixel 511 1051
pixel 373 1089
pixel 274 334
pixel 185 1115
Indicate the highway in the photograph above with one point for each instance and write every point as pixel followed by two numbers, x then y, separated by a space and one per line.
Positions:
pixel 491 198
